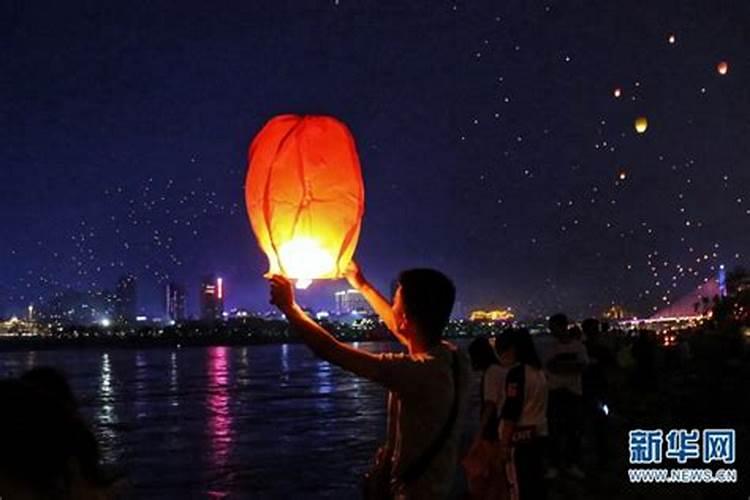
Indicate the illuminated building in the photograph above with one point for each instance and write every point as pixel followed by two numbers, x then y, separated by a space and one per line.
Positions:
pixel 491 315
pixel 126 299
pixel 616 312
pixel 212 298
pixel 351 301
pixel 175 302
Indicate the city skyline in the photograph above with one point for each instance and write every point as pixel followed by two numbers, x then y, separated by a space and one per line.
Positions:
pixel 502 149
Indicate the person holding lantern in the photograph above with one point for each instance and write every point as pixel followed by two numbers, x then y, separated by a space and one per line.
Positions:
pixel 428 384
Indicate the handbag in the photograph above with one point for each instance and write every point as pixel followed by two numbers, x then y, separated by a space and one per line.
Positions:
pixel 379 482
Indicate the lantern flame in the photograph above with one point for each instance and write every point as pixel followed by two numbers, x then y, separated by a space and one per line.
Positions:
pixel 306 260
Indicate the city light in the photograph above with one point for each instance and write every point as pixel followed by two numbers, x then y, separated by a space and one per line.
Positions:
pixel 492 315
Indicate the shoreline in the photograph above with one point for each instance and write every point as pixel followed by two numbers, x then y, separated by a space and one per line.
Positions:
pixel 48 344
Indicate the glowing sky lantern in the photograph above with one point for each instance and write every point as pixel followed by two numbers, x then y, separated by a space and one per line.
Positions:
pixel 305 196
pixel 722 67
pixel 641 124
pixel 617 92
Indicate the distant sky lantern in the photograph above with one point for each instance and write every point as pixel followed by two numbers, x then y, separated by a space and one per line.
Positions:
pixel 722 67
pixel 641 124
pixel 617 92
pixel 305 196
pixel 671 39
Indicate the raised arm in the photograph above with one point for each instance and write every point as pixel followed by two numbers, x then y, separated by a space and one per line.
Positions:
pixel 322 343
pixel 377 301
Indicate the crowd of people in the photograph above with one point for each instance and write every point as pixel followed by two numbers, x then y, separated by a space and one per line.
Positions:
pixel 535 398
pixel 536 392
pixel 535 395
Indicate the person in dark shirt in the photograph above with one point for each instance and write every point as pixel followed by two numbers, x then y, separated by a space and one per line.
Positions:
pixel 46 449
pixel 596 387
pixel 479 463
pixel 523 418
pixel 565 359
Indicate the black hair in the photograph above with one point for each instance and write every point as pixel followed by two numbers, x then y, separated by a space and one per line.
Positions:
pixel 590 327
pixel 41 437
pixel 519 339
pixel 503 341
pixel 558 320
pixel 482 353
pixel 53 383
pixel 428 297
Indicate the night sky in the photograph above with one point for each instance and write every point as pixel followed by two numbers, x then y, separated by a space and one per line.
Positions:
pixel 492 144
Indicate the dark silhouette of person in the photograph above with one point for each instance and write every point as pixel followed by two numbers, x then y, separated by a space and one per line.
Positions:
pixel 644 355
pixel 564 360
pixel 54 384
pixel 485 360
pixel 596 386
pixel 523 418
pixel 480 462
pixel 46 450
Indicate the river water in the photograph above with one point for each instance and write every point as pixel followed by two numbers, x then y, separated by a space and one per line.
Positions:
pixel 267 421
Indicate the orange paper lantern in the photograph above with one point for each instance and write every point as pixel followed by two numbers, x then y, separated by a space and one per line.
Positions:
pixel 305 196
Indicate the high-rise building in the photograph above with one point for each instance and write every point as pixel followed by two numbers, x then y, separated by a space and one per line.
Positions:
pixel 349 301
pixel 212 298
pixel 126 299
pixel 175 302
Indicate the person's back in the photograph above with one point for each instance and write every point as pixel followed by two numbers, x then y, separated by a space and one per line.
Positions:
pixel 564 362
pixel 422 398
pixel 523 420
pixel 428 385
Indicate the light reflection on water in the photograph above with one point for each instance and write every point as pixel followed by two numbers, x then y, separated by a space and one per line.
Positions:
pixel 219 416
pixel 141 406
pixel 174 384
pixel 248 422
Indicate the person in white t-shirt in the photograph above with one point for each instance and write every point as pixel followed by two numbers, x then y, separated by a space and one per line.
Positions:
pixel 482 477
pixel 564 360
pixel 427 385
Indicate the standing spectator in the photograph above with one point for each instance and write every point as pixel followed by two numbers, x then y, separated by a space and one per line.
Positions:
pixel 644 354
pixel 596 386
pixel 523 418
pixel 564 361
pixel 479 463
